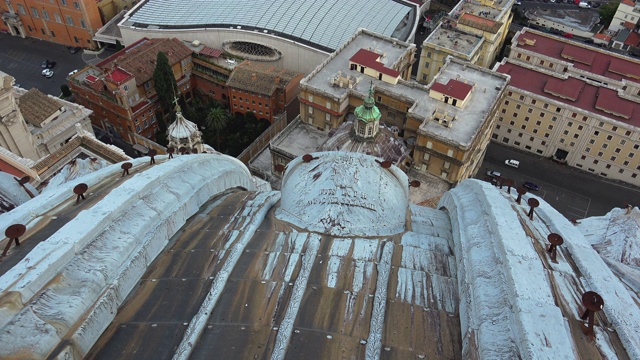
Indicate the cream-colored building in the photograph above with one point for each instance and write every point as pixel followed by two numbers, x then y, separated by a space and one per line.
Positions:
pixel 576 104
pixel 626 16
pixel 447 124
pixel 35 125
pixel 473 31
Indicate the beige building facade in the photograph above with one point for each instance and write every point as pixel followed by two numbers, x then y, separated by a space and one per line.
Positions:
pixel 35 125
pixel 447 124
pixel 473 31
pixel 575 104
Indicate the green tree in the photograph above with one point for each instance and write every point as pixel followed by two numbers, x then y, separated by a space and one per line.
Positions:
pixel 607 11
pixel 66 92
pixel 165 85
pixel 217 119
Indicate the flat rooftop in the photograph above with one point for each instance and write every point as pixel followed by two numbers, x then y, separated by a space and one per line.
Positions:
pixel 454 40
pixel 574 92
pixel 325 23
pixel 468 119
pixel 599 62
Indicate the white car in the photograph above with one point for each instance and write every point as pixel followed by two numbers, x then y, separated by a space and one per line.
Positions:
pixel 512 163
pixel 47 72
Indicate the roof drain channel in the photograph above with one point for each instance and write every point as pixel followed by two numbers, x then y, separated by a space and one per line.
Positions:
pixel 374 342
pixel 286 326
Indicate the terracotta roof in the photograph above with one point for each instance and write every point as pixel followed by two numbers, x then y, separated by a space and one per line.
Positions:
pixel 628 2
pixel 633 39
pixel 118 75
pixel 370 59
pixel 629 25
pixel 258 78
pixel 139 59
pixel 603 63
pixel 591 98
pixel 454 88
pixel 568 89
pixel 602 37
pixel 578 54
pixel 207 51
pixel 37 107
pixel 480 22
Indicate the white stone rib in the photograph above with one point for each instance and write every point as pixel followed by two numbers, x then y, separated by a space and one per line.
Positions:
pixel 374 342
pixel 115 240
pixel 263 203
pixel 286 327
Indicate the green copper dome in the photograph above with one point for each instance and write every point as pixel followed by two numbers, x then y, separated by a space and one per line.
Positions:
pixel 368 112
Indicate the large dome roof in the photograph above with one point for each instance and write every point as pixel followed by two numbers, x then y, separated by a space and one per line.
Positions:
pixel 344 194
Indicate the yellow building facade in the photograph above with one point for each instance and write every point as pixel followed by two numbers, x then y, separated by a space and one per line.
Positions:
pixel 572 103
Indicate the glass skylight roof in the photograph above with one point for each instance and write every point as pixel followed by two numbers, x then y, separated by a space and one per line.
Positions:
pixel 328 23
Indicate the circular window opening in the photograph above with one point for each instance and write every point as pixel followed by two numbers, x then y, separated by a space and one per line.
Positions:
pixel 252 51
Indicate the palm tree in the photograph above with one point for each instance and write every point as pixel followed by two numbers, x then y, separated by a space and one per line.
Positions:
pixel 217 119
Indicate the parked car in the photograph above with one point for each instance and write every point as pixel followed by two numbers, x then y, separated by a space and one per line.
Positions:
pixel 493 174
pixel 568 35
pixel 588 41
pixel 73 49
pixel 531 186
pixel 596 5
pixel 512 163
pixel 47 73
pixel 48 64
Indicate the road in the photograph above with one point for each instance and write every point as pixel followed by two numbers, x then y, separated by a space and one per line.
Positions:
pixel 574 193
pixel 21 58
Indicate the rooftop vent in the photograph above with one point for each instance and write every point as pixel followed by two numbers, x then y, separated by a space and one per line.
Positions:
pixel 196 43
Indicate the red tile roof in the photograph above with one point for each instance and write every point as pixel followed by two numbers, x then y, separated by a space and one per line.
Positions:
pixel 91 78
pixel 629 25
pixel 590 98
pixel 370 59
pixel 454 88
pixel 568 89
pixel 629 2
pixel 139 58
pixel 633 39
pixel 588 59
pixel 118 76
pixel 602 37
pixel 10 169
pixel 207 51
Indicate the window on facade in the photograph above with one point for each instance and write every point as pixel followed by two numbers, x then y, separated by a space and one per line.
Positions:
pixel 527 147
pixel 595 162
pixel 562 140
pixel 45 14
pixel 609 137
pixel 541 62
pixel 69 20
pixel 613 158
pixel 504 111
pixel 601 124
pixel 429 144
pixel 636 146
pixel 538 123
pixel 546 135
pixel 617 150
pixel 506 103
pixel 521 98
pixel 429 54
pixel 604 146
pixel 596 133
pixel 566 132
pixel 630 155
pixel 34 11
pixel 523 127
pixel 29 27
pixel 621 171
pixel 550 127
pixel 608 166
pixel 614 128
pixel 529 110
pixel 587 149
pixel 512 123
pixel 535 131
pixel 526 119
pixel 627 133
pixel 625 163
pixel 64 2
pixel 53 34
pixel 508 131
pixel 83 24
pixel 21 9
pixel 600 153
pixel 515 114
